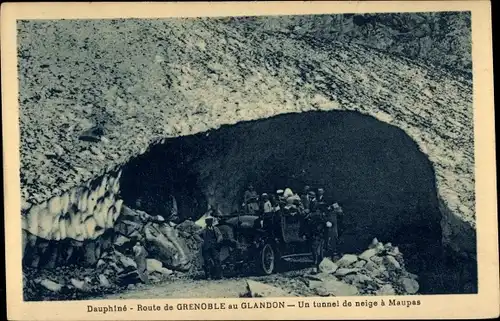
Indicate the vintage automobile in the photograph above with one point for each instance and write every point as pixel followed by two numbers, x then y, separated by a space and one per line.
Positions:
pixel 264 243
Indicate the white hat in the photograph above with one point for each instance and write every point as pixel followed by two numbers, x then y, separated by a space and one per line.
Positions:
pixel 280 191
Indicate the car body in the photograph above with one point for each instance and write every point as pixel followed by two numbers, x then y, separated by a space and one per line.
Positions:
pixel 263 241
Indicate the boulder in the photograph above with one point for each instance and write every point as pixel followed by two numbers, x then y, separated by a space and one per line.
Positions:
pixel 258 289
pixel 130 214
pixel 327 266
pixel 165 271
pixel 163 242
pixel 136 235
pixel 103 280
pixel 346 271
pixel 366 255
pixel 51 285
pixel 153 265
pixel 380 247
pixel 101 263
pixel 121 241
pixel 379 270
pixel 154 279
pixel 370 266
pixel 127 278
pixel 386 289
pixel 189 227
pixel 373 244
pixel 347 260
pixel 409 285
pixel 334 287
pixel 358 279
pixel 127 262
pixel 394 251
pixel 80 285
pixel 377 259
pixel 317 277
pixel 392 263
pixel 127 227
pixel 359 264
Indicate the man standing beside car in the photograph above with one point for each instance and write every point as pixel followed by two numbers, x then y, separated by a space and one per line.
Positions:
pixel 212 237
pixel 315 233
pixel 334 217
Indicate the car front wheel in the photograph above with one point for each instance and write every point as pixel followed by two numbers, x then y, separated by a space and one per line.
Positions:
pixel 267 259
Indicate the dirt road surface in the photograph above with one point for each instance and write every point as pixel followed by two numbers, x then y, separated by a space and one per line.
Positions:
pixel 229 287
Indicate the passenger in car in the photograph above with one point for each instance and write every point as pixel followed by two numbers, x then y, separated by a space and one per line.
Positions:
pixel 251 200
pixel 304 198
pixel 267 211
pixel 267 207
pixel 281 199
pixel 321 201
pixel 311 202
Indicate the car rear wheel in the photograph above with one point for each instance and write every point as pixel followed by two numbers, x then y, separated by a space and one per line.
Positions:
pixel 267 259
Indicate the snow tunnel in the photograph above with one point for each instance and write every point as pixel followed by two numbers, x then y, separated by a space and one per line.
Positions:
pixel 385 184
pixel 378 174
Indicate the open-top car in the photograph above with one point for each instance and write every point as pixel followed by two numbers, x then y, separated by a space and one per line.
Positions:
pixel 265 242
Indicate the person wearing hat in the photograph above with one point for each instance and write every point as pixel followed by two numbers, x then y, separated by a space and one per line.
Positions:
pixel 140 255
pixel 334 217
pixel 212 237
pixel 311 202
pixel 287 193
pixel 251 200
pixel 267 210
pixel 281 199
pixel 267 207
pixel 315 234
pixel 321 202
pixel 305 199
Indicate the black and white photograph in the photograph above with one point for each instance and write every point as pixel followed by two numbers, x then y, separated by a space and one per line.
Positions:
pixel 247 156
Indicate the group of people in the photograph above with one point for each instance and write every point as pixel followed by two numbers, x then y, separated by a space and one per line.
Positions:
pixel 321 218
pixel 320 225
pixel 310 201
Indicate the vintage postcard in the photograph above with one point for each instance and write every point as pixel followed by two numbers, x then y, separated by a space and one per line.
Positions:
pixel 249 160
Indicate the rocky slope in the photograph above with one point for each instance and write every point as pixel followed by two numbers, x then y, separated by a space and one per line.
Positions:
pixel 379 270
pixel 144 80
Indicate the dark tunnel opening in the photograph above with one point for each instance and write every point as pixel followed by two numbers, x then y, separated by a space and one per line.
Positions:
pixel 378 174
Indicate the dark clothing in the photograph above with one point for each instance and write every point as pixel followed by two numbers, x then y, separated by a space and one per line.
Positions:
pixel 251 201
pixel 210 251
pixel 321 204
pixel 211 259
pixel 309 202
pixel 211 237
pixel 305 201
pixel 140 255
pixel 332 234
pixel 317 236
pixel 316 225
pixel 317 246
pixel 312 204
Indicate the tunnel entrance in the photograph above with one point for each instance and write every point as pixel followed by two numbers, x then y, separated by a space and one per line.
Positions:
pixel 377 173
